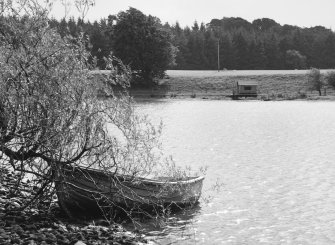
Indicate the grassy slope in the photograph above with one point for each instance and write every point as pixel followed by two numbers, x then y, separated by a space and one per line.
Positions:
pixel 280 84
pixel 213 84
pixel 219 85
pixel 223 85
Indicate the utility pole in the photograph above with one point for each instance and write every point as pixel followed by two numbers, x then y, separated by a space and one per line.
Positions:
pixel 218 55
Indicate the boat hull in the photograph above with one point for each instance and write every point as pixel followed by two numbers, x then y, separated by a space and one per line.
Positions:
pixel 88 190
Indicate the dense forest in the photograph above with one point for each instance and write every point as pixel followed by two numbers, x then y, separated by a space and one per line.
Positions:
pixel 241 45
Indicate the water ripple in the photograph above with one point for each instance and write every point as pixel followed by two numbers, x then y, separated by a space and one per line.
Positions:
pixel 275 160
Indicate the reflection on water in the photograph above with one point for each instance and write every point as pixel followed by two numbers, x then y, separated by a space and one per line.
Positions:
pixel 275 159
pixel 178 226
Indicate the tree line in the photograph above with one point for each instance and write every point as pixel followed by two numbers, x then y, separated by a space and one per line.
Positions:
pixel 260 44
pixel 140 41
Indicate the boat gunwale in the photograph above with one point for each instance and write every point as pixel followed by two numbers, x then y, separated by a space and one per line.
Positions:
pixel 190 180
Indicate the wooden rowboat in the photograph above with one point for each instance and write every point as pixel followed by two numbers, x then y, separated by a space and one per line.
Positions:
pixel 84 189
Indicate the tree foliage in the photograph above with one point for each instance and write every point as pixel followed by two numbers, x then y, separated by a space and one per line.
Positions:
pixel 314 80
pixel 330 78
pixel 50 114
pixel 294 60
pixel 143 43
pixel 262 44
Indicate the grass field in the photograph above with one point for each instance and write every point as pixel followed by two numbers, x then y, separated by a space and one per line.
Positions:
pixel 279 84
pixel 272 85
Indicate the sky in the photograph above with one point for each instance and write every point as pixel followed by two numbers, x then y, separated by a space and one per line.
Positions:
pixel 302 13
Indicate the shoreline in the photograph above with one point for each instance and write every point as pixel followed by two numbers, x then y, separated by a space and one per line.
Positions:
pixel 47 224
pixel 149 98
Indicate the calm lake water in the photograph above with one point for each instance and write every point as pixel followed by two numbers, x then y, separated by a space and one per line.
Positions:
pixel 276 161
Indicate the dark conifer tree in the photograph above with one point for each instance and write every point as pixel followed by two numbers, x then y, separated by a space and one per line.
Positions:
pixel 240 45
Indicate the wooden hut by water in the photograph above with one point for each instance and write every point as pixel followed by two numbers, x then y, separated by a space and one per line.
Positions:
pixel 245 89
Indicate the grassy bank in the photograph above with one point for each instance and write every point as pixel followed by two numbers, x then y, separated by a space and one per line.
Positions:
pixel 219 85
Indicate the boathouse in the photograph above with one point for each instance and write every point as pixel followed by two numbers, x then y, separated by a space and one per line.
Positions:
pixel 245 89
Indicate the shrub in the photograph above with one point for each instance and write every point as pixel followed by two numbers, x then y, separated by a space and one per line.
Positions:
pixel 314 80
pixel 330 78
pixel 302 95
pixel 50 115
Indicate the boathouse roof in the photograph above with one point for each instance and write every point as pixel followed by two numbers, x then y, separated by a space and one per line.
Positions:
pixel 247 83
